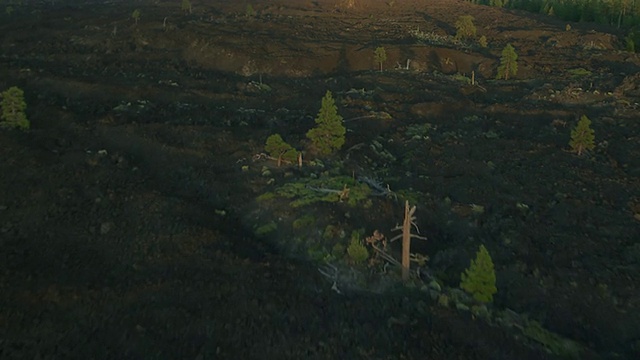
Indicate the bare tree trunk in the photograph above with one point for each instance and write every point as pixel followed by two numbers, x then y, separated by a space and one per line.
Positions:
pixel 406 242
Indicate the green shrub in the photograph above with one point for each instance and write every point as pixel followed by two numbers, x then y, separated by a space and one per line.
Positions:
pixel 479 279
pixel 305 222
pixel 13 107
pixel 483 41
pixel 249 12
pixel 358 253
pixel 579 72
pixel 266 228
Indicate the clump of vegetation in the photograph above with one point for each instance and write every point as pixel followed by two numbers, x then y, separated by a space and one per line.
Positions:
pixel 418 131
pixel 483 41
pixel 135 15
pixel 380 56
pixel 186 6
pixel 553 342
pixel 277 148
pixel 436 39
pixel 508 63
pixel 579 72
pixel 343 189
pixel 630 44
pixel 325 189
pixel 465 29
pixel 358 253
pixel 266 228
pixel 479 279
pixel 250 12
pixel 462 78
pixel 13 107
pixel 582 136
pixel 329 134
pixel 304 222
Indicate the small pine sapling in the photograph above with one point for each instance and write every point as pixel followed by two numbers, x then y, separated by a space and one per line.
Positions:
pixel 13 107
pixel 186 6
pixel 380 56
pixel 280 150
pixel 135 15
pixel 483 41
pixel 357 251
pixel 329 134
pixel 508 63
pixel 249 12
pixel 479 279
pixel 465 29
pixel 582 136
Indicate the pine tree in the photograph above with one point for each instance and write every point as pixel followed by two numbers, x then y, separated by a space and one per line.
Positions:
pixel 135 15
pixel 508 63
pixel 328 135
pixel 380 56
pixel 479 279
pixel 582 136
pixel 13 107
pixel 186 6
pixel 465 29
pixel 279 149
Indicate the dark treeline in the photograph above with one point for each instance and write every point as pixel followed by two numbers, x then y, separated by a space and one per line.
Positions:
pixel 622 14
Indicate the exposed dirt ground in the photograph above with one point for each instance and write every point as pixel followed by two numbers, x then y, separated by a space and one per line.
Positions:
pixel 128 212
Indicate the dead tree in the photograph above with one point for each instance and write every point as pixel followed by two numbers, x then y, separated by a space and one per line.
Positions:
pixel 409 220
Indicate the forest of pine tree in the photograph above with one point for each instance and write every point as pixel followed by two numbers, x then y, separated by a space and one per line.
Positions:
pixel 618 13
pixel 622 14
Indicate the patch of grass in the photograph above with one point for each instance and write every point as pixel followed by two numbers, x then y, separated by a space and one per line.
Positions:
pixel 266 228
pixel 418 131
pixel 461 78
pixel 266 197
pixel 553 342
pixel 579 72
pixel 324 189
pixel 304 222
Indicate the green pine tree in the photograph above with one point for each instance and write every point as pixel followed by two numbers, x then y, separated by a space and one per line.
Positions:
pixel 279 149
pixel 186 6
pixel 479 279
pixel 13 107
pixel 358 253
pixel 483 41
pixel 465 29
pixel 508 63
pixel 135 15
pixel 380 56
pixel 582 136
pixel 329 135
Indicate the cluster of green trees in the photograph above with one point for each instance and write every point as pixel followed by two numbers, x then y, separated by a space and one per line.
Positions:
pixel 619 13
pixel 326 138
